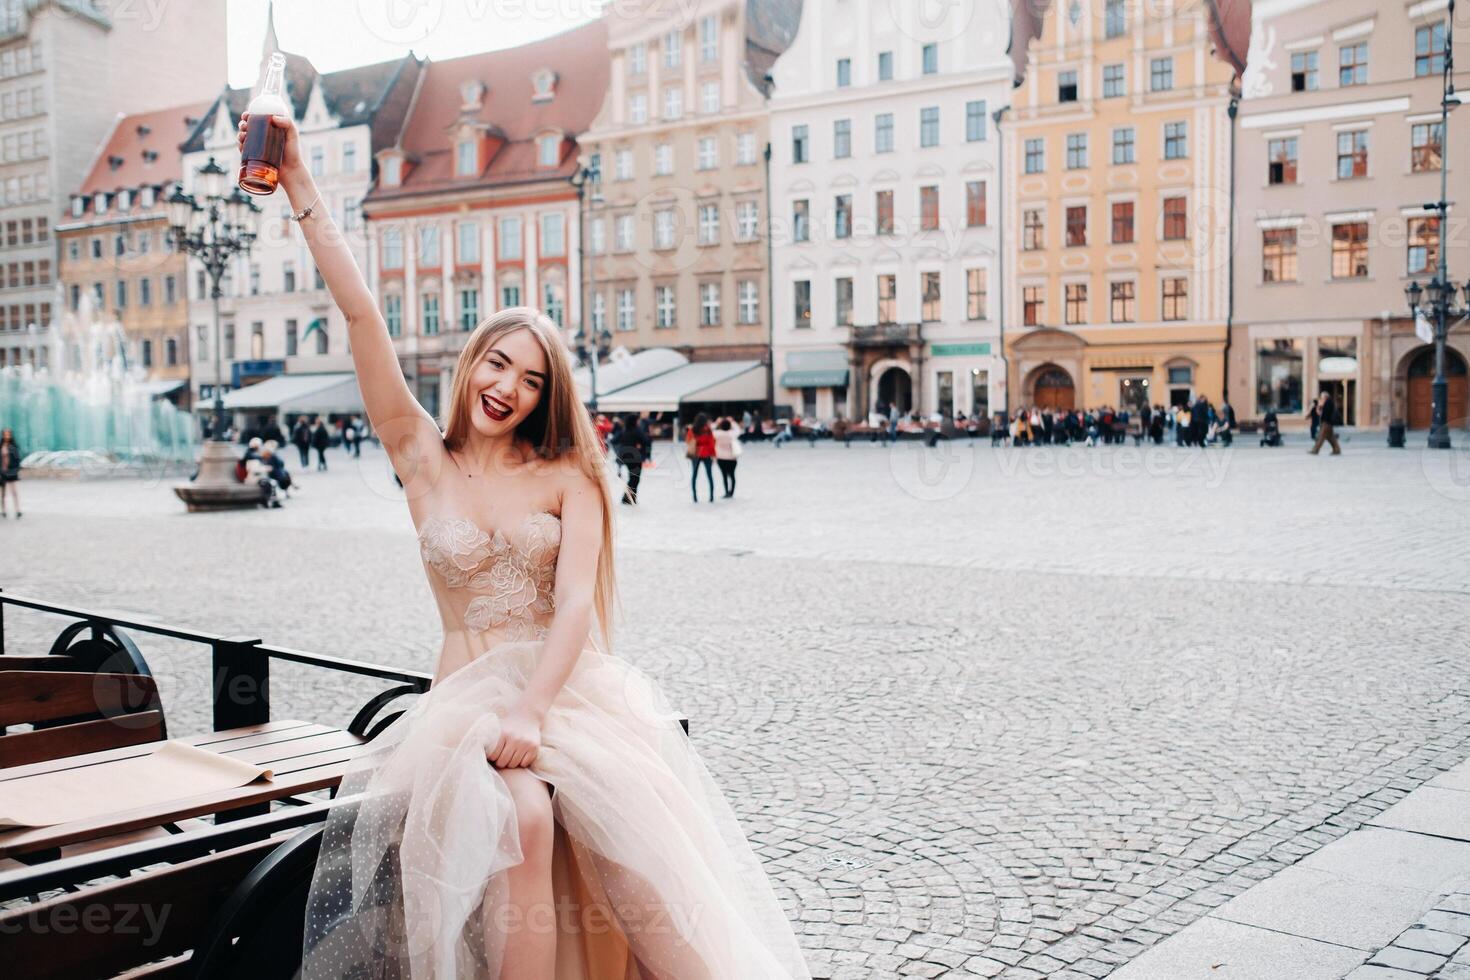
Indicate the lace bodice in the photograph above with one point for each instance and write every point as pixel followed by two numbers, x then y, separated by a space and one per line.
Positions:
pixel 501 582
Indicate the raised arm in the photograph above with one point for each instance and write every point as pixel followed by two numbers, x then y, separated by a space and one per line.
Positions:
pixel 407 431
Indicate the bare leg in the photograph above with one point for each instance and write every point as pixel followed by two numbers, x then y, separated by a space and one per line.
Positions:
pixel 528 923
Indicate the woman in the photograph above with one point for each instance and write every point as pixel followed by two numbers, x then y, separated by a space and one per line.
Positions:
pixel 10 456
pixel 537 813
pixel 320 440
pixel 699 446
pixel 727 453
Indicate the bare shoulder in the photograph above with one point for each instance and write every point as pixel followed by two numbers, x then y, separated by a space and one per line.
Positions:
pixel 576 490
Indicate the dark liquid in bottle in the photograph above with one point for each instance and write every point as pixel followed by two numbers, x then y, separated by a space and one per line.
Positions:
pixel 261 156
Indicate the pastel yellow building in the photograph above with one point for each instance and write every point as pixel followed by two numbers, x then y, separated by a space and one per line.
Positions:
pixel 1117 157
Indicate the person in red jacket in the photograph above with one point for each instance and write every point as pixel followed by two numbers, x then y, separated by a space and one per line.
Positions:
pixel 699 446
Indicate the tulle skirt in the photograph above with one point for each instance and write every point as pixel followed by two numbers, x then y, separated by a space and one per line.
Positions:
pixel 653 878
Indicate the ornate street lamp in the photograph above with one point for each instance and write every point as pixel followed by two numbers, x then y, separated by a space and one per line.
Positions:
pixel 591 342
pixel 214 227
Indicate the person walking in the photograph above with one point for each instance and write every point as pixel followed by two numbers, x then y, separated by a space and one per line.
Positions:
pixel 1327 420
pixel 349 437
pixel 634 447
pixel 320 440
pixel 358 435
pixel 727 453
pixel 301 439
pixel 10 457
pixel 699 446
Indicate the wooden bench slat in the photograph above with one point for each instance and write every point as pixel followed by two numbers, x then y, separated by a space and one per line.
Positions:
pixel 66 741
pixel 43 695
pixel 40 662
pixel 287 756
pixel 173 968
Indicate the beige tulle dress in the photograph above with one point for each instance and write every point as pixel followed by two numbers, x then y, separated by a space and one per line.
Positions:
pixel 652 875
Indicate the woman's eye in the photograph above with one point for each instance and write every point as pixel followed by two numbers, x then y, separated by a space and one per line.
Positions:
pixel 496 364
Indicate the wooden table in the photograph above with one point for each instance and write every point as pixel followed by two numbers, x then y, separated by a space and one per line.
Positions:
pixel 303 757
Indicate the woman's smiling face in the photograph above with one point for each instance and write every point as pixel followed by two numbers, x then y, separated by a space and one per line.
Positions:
pixel 507 383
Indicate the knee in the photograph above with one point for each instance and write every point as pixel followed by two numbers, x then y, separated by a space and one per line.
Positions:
pixel 534 821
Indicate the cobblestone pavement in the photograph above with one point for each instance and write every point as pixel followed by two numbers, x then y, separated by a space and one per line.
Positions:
pixel 983 712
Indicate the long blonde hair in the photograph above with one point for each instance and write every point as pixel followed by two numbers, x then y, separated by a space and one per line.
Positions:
pixel 559 427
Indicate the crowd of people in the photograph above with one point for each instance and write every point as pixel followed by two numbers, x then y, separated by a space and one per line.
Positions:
pixel 1194 424
pixel 262 462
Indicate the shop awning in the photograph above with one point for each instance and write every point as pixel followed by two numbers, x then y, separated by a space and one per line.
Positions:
pixel 702 382
pixel 623 369
pixel 316 393
pixel 159 388
pixel 815 369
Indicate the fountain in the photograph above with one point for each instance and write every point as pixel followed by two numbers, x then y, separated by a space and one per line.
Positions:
pixel 91 412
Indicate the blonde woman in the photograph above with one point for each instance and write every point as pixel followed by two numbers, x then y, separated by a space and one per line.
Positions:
pixel 538 813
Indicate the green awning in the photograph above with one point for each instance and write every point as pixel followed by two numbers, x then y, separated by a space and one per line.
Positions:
pixel 814 379
pixel 815 369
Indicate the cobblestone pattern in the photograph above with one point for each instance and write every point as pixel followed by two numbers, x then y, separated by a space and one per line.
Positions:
pixel 950 769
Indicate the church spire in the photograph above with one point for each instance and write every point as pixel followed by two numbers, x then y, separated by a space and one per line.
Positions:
pixel 271 44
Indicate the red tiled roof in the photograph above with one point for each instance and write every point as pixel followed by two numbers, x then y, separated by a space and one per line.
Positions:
pixel 125 159
pixel 580 60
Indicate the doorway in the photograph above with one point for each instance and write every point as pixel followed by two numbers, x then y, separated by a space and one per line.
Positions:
pixel 1054 390
pixel 895 388
pixel 1133 394
pixel 1344 392
pixel 1421 389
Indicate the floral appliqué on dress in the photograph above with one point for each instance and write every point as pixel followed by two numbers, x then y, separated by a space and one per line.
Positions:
pixel 517 580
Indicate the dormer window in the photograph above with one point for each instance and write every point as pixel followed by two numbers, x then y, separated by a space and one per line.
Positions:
pixel 114 162
pixel 144 130
pixel 392 171
pixel 543 84
pixel 150 156
pixel 148 197
pixel 124 200
pixel 99 203
pixel 466 159
pixel 78 206
pixel 472 94
pixel 548 150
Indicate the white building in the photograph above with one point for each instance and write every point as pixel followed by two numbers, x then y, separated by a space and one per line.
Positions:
pixel 884 195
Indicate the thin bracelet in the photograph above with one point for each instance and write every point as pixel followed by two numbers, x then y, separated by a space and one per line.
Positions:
pixel 303 215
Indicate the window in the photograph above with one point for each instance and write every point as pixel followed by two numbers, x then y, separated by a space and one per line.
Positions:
pixel 885 66
pixel 801 308
pixel 709 97
pixel 747 217
pixel 1281 155
pixel 673 103
pixel 663 229
pixel 1033 306
pixel 1033 231
pixel 842 139
pixel 288 277
pixel 1304 71
pixel 745 149
pixel 929 207
pixel 1352 154
pixel 1176 298
pixel 663 307
pixel 1176 219
pixel 888 299
pixel 254 279
pixel 799 144
pixel 1122 222
pixel 623 165
pixel 554 303
pixel 1077 225
pixel 663 159
pixel 709 304
pixel 1176 141
pixel 318 164
pixel 510 295
pixel 637 58
pixel 843 300
pixel 976 299
pixel 883 205
pixel 510 238
pixel 431 314
pixel 638 108
pixel 1076 151
pixel 1278 255
pixel 393 314
pixel 1115 19
pixel 120 292
pixel 709 224
pixel 170 290
pixel 801 221
pixel 145 292
pixel 548 150
pixel 171 352
pixel 599 312
pixel 975 121
pixel 749 298
pixel 975 204
pixel 1429 50
pixel 1036 156
pixel 1350 250
pixel 625 310
pixel 393 171
pixel 842 216
pixel 469 308
pixel 1423 244
pixel 1074 302
pixel 146 353
pixel 1067 86
pixel 931 58
pixel 429 246
pixel 1161 74
pixel 844 72
pixel 709 38
pixel 291 338
pixel 553 234
pixel 929 126
pixel 1122 302
pixel 597 236
pixel 623 233
pixel 1426 147
pixel 673 47
pixel 1113 84
pixel 349 158
pixel 1352 64
pixel 1123 145
pixel 1279 376
pixel 709 153
pixel 929 304
pixel 883 132
pixel 466 160
pixel 469 242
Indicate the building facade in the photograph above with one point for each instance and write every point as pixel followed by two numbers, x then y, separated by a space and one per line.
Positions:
pixel 276 314
pixel 1340 148
pixel 884 192
pixel 68 70
pixel 117 265
pixel 1117 156
pixel 475 208
pixel 675 237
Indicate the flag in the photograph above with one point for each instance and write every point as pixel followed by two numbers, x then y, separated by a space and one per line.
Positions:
pixel 1423 329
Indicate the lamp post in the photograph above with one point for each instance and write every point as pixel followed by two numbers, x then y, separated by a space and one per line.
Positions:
pixel 1441 292
pixel 213 226
pixel 592 341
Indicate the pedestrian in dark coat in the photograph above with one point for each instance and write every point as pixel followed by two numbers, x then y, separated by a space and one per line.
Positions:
pixel 301 439
pixel 320 440
pixel 633 448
